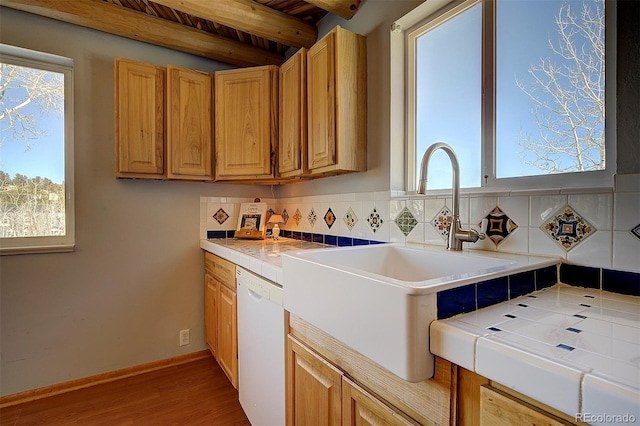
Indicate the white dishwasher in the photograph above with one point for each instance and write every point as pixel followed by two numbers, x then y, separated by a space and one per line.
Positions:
pixel 261 340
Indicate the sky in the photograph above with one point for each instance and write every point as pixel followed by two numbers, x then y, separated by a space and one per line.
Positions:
pixel 46 156
pixel 448 101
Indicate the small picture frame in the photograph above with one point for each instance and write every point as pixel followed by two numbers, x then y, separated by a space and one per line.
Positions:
pixel 252 221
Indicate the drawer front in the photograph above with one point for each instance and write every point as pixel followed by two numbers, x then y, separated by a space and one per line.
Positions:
pixel 223 270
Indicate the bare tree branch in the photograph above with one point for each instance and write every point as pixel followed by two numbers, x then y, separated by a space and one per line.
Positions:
pixel 568 96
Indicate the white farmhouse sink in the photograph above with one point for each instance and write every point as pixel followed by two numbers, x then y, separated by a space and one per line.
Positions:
pixel 380 299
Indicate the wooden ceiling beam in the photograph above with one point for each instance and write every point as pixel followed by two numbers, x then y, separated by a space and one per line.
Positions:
pixel 139 26
pixel 343 8
pixel 251 17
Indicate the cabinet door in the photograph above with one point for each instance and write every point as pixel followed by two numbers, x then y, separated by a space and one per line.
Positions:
pixel 245 122
pixel 321 102
pixel 211 313
pixel 189 118
pixel 292 143
pixel 359 407
pixel 313 390
pixel 139 119
pixel 497 408
pixel 228 333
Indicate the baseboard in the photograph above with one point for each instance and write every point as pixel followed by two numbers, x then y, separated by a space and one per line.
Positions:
pixel 34 394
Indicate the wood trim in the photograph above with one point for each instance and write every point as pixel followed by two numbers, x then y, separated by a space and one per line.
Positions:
pixel 251 17
pixel 85 382
pixel 139 26
pixel 343 8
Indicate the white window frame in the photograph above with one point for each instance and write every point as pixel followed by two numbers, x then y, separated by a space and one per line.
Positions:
pixel 48 244
pixel 403 105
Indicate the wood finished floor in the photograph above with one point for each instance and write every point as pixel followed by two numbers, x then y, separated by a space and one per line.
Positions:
pixel 196 393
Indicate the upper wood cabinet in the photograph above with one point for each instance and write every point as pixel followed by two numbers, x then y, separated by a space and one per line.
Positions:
pixel 246 105
pixel 337 103
pixel 292 142
pixel 189 120
pixel 139 119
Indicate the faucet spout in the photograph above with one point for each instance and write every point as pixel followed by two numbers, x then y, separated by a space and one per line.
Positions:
pixel 456 234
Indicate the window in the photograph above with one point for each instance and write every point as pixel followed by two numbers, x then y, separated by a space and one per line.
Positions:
pixel 517 88
pixel 36 152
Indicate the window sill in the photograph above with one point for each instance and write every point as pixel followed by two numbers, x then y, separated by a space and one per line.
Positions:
pixel 57 248
pixel 495 192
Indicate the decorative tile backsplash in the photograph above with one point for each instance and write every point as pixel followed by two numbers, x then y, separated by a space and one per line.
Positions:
pixel 600 230
pixel 567 228
pixel 499 226
pixel 374 220
pixel 442 222
pixel 405 221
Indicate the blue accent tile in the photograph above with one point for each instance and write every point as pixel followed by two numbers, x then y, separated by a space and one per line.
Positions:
pixel 360 242
pixel 579 316
pixel 493 329
pixel 575 330
pixel 286 233
pixel 296 235
pixel 306 236
pixel 581 276
pixel 546 277
pixel 522 305
pixel 332 240
pixel 565 347
pixel 345 241
pixel 317 238
pixel 510 316
pixel 521 284
pixel 456 301
pixel 216 234
pixel 377 242
pixel 621 282
pixel 492 292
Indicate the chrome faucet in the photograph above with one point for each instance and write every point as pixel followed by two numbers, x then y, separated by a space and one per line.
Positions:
pixel 457 235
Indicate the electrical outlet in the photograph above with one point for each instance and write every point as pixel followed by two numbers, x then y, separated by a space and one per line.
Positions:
pixel 185 337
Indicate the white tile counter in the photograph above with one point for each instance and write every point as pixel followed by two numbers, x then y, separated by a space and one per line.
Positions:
pixel 574 349
pixel 259 256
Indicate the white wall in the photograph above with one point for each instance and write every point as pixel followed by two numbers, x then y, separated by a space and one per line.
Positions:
pixel 135 278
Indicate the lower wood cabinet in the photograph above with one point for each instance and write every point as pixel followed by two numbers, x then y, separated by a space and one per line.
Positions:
pixel 486 403
pixel 319 393
pixel 228 333
pixel 313 388
pixel 211 289
pixel 498 408
pixel 221 314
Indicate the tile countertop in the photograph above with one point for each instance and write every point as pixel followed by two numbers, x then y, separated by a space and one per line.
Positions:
pixel 259 256
pixel 572 348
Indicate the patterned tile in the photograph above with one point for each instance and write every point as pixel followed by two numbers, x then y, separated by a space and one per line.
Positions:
pixel 374 220
pixel 636 231
pixel 297 217
pixel 406 221
pixel 442 222
pixel 285 216
pixel 312 217
pixel 500 226
pixel 329 218
pixel 567 228
pixel 350 219
pixel 220 216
